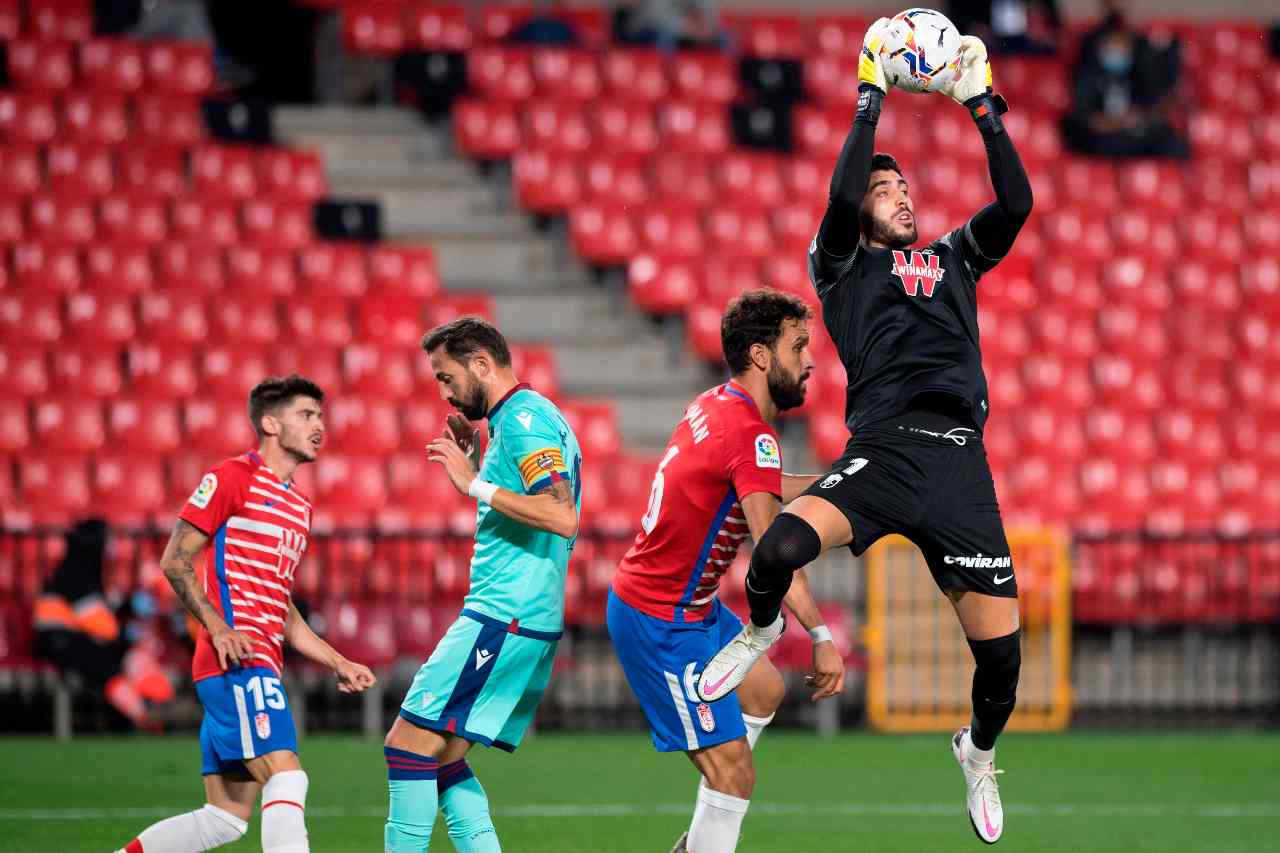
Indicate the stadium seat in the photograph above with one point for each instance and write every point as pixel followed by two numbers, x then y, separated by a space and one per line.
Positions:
pixel 130 489
pixel 333 268
pixel 1113 433
pixel 769 36
pixel 696 128
pixel 168 120
pixel 60 20
pixel 436 27
pixel 726 275
pixel 211 221
pixel 224 171
pixel 15 424
pixel 447 308
pixel 409 270
pixel 840 35
pixel 21 171
pixel 683 179
pixel 595 425
pixel 546 182
pixel 362 630
pixel 368 368
pixel 39 64
pixel 500 73
pixel 634 74
pixel 624 127
pixel 145 425
pixel 28 117
pixel 115 268
pixel 46 267
pixel 244 320
pixel 24 370
pixel 486 130
pixel 89 370
pixel 828 436
pixel 61 219
pixel 602 234
pixel 131 219
pixel 742 231
pixel 350 487
pixel 277 223
pixel 231 370
pixel 566 72
pixel 292 174
pixel 319 318
pixel 704 75
pixel 55 487
pixel 557 126
pixel 663 285
pixel 95 118
pixel 153 171
pixel 422 420
pixel 263 272
pixel 794 225
pixel 34 318
pixel 12 222
pixel 216 427
pixel 317 362
pixel 193 267
pixel 389 320
pixel 536 365
pixel 70 424
pixel 179 67
pixel 750 179
pixel 608 178
pixel 111 65
pixel 828 79
pixel 671 230
pixel 362 424
pixel 161 370
pixel 819 131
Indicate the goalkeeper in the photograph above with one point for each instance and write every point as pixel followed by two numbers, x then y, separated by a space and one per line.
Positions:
pixel 905 324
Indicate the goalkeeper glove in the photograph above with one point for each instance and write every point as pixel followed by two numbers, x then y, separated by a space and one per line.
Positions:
pixel 971 88
pixel 870 69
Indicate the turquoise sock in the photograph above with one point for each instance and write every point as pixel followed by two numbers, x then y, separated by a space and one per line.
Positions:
pixel 466 810
pixel 412 815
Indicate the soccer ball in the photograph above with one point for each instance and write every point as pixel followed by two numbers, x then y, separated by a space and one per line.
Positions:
pixel 920 51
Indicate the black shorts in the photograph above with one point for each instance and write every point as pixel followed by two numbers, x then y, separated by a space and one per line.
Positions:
pixel 925 476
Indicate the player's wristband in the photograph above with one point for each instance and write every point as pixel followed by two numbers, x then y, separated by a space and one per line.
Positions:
pixel 986 111
pixel 869 100
pixel 820 634
pixel 482 490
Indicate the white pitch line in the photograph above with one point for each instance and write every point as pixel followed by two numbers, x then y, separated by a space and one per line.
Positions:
pixel 590 810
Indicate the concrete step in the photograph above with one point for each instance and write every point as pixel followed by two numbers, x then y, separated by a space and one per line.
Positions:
pixel 340 148
pixel 635 366
pixel 428 174
pixel 346 117
pixel 460 210
pixel 466 257
pixel 574 315
pixel 646 420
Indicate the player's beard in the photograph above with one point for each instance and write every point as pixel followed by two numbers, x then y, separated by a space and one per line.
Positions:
pixel 473 403
pixel 787 391
pixel 887 231
pixel 298 446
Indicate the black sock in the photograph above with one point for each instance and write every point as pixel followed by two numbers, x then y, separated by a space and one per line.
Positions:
pixel 995 686
pixel 789 544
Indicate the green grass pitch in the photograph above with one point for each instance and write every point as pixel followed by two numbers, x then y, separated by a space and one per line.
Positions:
pixel 566 793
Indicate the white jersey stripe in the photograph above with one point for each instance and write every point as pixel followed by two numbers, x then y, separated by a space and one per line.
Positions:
pixel 698 602
pixel 729 535
pixel 261 618
pixel 237 522
pixel 301 522
pixel 274 602
pixel 236 558
pixel 241 576
pixel 682 710
pixel 270 662
pixel 290 493
pixel 276 496
pixel 244 543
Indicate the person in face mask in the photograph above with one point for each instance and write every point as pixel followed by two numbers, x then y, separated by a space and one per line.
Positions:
pixel 1124 92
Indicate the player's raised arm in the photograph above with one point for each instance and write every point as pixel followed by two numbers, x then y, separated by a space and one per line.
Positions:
pixel 993 229
pixel 178 566
pixel 838 233
pixel 352 677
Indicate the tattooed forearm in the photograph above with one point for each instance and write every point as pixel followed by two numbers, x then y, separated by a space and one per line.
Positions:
pixel 561 490
pixel 178 564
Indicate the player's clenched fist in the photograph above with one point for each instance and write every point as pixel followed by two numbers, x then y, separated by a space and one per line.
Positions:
pixel 467 436
pixel 827 676
pixel 232 647
pixel 353 677
pixel 870 69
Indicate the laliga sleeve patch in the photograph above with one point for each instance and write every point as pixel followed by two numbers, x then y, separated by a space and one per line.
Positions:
pixel 767 453
pixel 204 492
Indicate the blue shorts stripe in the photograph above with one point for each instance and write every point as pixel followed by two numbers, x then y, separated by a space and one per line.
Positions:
pixel 546 636
pixel 479 664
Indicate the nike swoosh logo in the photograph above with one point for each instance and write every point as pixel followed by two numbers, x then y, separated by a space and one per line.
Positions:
pixel 268 503
pixel 712 688
pixel 999 580
pixel 991 830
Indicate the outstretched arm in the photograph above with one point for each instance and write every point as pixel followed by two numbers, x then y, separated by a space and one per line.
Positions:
pixel 352 677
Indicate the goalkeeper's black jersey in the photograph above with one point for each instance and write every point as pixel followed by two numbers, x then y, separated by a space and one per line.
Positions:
pixel 905 322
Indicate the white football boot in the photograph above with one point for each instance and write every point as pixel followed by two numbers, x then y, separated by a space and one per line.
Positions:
pixel 986 815
pixel 725 671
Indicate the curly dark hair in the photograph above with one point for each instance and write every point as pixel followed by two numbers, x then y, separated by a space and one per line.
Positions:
pixel 756 317
pixel 463 337
pixel 276 392
pixel 881 161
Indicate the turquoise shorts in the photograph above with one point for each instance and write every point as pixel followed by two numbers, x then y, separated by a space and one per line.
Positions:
pixel 483 682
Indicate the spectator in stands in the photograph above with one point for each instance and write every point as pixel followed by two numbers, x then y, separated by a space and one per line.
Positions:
pixel 80 634
pixel 670 24
pixel 1006 25
pixel 1124 92
pixel 545 27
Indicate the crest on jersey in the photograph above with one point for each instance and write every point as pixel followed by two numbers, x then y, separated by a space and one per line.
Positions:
pixel 921 271
pixel 263 724
pixel 204 492
pixel 706 718
pixel 767 453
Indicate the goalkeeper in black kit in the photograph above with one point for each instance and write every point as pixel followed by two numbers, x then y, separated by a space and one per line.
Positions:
pixel 905 324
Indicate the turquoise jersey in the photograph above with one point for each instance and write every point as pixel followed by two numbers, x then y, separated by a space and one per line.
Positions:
pixel 517 571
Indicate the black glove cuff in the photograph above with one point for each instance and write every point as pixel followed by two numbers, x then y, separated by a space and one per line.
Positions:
pixel 986 110
pixel 869 100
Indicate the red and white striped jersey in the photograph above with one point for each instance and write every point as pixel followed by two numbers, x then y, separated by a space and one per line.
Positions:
pixel 258 528
pixel 721 452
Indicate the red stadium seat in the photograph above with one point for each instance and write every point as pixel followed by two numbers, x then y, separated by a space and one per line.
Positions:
pixel 208 221
pixel 12 223
pixel 422 420
pixel 334 268
pixel 537 366
pixel 742 231
pixel 231 371
pixel 545 181
pixel 24 371
pixel 168 120
pixel 602 234
pixel 38 64
pixel 498 21
pixel 699 75
pixel 54 487
pixel 69 424
pixel 406 269
pixel 15 425
pixel 449 308
pixel 29 117
pixel 111 65
pixel 162 370
pixel 100 317
pixel 1194 438
pixel 374 27
pixel 320 319
pixel 255 271
pixel 596 428
pixel 751 179
pixel 486 130
pixel 624 127
pixel 565 72
pixel 560 126
pixel 179 67
pixel 384 372
pixel 293 174
pixel 178 317
pixel 80 170
pixel 46 267
pixel 727 274
pixel 434 27
pixel 363 424
pixel 131 219
pixel 662 285
pixel 60 20
pixel 362 631
pixel 61 219
pixel 828 79
pixel 789 272
pixel 672 231
pixel 152 170
pixel 389 319
pixel 129 488
pixel 794 225
pixel 497 72
pixel 1110 432
pixel 244 319
pixel 145 425
pixel 277 223
pixel 611 178
pixel 95 118
pixel 634 74
pixel 34 318
pixel 770 36
pixel 819 131
pixel 696 128
pixel 702 331
pixel 1052 380
pixel 838 34
pixel 215 426
pixel 350 486
pixel 21 172
pixel 684 179
pixel 828 436
pixel 319 363
pixel 192 267
pixel 224 171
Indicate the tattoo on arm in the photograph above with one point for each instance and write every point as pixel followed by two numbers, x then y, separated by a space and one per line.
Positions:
pixel 178 564
pixel 560 490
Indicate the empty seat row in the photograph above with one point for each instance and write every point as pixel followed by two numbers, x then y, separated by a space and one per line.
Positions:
pixel 111 65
